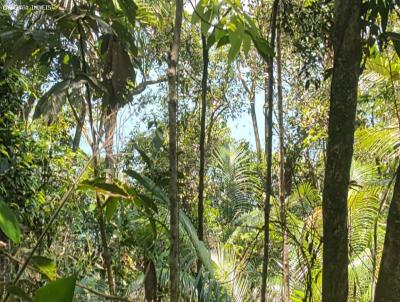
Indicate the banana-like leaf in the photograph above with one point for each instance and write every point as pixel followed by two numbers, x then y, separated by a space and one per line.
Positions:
pixel 54 98
pixel 57 291
pixel 101 186
pixel 111 207
pixel 202 251
pixel 149 185
pixel 9 223
pixel 45 266
pixel 118 67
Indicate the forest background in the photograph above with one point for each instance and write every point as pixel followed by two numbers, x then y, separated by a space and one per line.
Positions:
pixel 212 150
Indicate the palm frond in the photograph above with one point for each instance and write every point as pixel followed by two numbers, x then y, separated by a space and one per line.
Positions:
pixel 240 184
pixel 230 273
pixel 382 143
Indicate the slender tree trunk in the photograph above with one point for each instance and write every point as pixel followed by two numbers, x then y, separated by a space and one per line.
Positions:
pixel 202 137
pixel 252 97
pixel 79 127
pixel 107 258
pixel 172 124
pixel 388 284
pixel 106 251
pixel 255 124
pixel 268 152
pixel 95 150
pixel 282 189
pixel 343 103
pixel 109 127
pixel 200 205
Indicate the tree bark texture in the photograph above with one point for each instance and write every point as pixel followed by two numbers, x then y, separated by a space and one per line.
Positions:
pixel 110 124
pixel 282 182
pixel 200 205
pixel 388 284
pixel 79 127
pixel 172 126
pixel 268 107
pixel 342 112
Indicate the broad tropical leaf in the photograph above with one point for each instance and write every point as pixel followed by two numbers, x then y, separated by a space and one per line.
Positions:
pixel 61 290
pixel 45 265
pixel 9 223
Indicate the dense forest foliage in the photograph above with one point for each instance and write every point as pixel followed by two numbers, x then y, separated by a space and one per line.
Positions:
pixel 200 150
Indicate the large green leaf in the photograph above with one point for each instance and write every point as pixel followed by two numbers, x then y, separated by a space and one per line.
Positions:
pixel 262 46
pixel 206 24
pixel 236 35
pixel 57 291
pixel 246 44
pixel 143 155
pixel 223 41
pixel 382 143
pixel 101 186
pixel 201 250
pixel 118 68
pixel 51 102
pixel 235 38
pixel 45 266
pixel 149 185
pixel 146 201
pixel 198 12
pixel 111 207
pixel 9 223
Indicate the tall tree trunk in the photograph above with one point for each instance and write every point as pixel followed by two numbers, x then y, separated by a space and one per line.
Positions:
pixel 200 205
pixel 95 150
pixel 107 258
pixel 109 127
pixel 173 194
pixel 282 189
pixel 343 103
pixel 269 100
pixel 388 284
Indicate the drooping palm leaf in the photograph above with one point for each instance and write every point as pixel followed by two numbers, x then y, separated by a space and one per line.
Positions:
pixel 382 143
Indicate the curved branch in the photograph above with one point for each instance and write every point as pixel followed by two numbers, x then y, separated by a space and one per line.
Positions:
pixel 142 86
